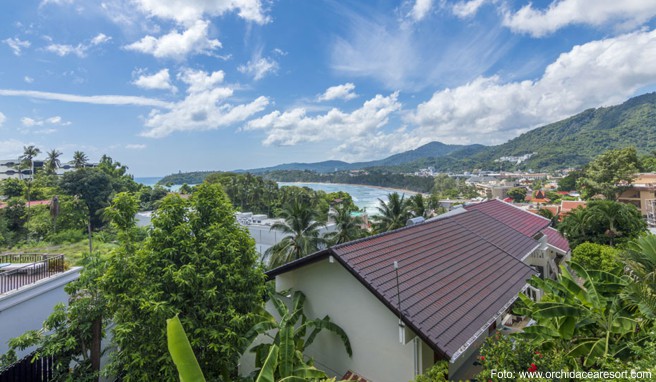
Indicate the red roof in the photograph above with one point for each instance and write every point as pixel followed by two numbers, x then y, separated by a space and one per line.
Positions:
pixel 555 239
pixel 31 204
pixel 525 222
pixel 568 205
pixel 351 376
pixel 456 274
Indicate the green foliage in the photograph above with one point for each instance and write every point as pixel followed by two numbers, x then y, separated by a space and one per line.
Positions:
pixel 436 373
pixel 582 315
pixel 69 332
pixel 640 259
pixel 93 186
pixel 181 352
pixel 69 236
pixel 12 188
pixel 597 256
pixel 569 182
pixel 610 173
pixel 292 334
pixel 518 194
pixel 301 224
pixel 602 222
pixel 347 227
pixel 516 354
pixel 197 263
pixel 392 214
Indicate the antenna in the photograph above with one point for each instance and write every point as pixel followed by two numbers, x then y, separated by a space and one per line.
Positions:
pixel 398 297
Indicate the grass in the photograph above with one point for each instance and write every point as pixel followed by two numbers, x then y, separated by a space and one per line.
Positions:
pixel 72 252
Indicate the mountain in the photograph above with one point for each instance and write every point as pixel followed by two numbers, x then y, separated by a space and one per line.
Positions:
pixel 429 150
pixel 572 142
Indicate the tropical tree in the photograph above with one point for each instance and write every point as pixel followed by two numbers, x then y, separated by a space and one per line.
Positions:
pixel 610 173
pixel 301 225
pixel 29 153
pixel 417 206
pixel 582 314
pixel 602 222
pixel 198 263
pixel 52 161
pixel 292 334
pixel 80 159
pixel 518 194
pixel 347 227
pixel 392 214
pixel 640 259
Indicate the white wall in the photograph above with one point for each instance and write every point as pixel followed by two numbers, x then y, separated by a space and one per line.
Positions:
pixel 26 308
pixel 372 328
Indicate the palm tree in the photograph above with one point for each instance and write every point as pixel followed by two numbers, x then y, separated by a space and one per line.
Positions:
pixel 640 259
pixel 79 159
pixel 347 227
pixel 302 228
pixel 574 226
pixel 417 206
pixel 29 153
pixel 617 218
pixel 53 162
pixel 393 214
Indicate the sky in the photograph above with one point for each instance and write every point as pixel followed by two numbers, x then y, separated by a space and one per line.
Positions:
pixel 187 85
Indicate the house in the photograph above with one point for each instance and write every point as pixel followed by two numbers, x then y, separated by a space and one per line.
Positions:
pixel 458 274
pixel 30 286
pixel 566 206
pixel 642 194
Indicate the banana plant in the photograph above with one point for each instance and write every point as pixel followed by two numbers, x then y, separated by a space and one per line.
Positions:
pixel 290 337
pixel 182 353
pixel 581 313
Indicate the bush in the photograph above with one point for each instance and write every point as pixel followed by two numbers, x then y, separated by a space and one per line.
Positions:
pixel 69 236
pixel 596 256
pixel 436 373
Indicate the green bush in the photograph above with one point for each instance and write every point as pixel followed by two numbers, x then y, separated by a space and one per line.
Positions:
pixel 69 236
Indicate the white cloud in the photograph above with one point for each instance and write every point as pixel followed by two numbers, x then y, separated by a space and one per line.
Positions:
pixel 97 100
pixel 561 13
pixel 177 45
pixel 55 120
pixel 3 118
pixel 64 50
pixel 205 107
pixel 188 12
pixel 135 146
pixel 28 79
pixel 80 49
pixel 421 9
pixel 259 67
pixel 160 80
pixel 11 148
pixel 345 91
pixel 56 2
pixel 17 45
pixel 295 126
pixel 464 9
pixel 100 38
pixel 489 111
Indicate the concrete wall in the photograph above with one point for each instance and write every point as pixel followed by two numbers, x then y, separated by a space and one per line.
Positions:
pixel 373 331
pixel 26 308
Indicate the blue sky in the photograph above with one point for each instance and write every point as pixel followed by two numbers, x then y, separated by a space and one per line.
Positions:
pixel 173 85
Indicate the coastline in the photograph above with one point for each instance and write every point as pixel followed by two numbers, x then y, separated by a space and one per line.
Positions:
pixel 399 190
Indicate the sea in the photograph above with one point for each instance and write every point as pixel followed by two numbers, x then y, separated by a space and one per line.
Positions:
pixel 365 197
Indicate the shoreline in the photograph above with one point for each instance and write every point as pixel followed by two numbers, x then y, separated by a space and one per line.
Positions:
pixel 400 190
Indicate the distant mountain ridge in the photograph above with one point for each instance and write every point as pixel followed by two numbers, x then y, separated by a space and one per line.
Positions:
pixel 429 150
pixel 572 142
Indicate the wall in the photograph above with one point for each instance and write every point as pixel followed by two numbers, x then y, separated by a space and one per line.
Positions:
pixel 26 308
pixel 372 328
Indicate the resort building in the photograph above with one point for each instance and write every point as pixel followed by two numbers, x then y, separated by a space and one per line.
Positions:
pixel 427 292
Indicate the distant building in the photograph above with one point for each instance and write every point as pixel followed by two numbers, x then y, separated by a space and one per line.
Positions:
pixel 642 194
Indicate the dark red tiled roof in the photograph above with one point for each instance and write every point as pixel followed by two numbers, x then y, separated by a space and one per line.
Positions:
pixel 525 222
pixel 555 239
pixel 452 280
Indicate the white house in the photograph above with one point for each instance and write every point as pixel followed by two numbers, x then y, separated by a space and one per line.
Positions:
pixel 457 277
